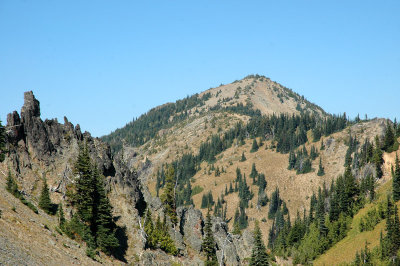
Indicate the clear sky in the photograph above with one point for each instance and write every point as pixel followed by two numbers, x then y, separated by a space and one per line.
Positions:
pixel 102 63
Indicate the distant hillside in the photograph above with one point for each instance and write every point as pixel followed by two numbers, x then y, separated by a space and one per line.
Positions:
pixel 252 96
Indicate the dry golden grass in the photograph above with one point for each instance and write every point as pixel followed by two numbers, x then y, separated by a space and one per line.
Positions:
pixel 294 189
pixel 345 250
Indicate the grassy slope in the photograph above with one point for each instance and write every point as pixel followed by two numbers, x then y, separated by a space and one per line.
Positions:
pixel 345 250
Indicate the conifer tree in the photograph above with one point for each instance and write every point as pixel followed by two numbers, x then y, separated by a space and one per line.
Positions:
pixel 94 211
pixel 292 160
pixel 85 186
pixel 254 146
pixel 44 201
pixel 151 239
pixel 396 181
pixel 253 173
pixel 243 158
pixel 259 256
pixel 320 214
pixel 61 218
pixel 106 228
pixel 321 170
pixel 371 187
pixel 396 229
pixel 236 228
pixel 322 145
pixel 389 138
pixel 168 197
pixel 208 245
pixel 11 185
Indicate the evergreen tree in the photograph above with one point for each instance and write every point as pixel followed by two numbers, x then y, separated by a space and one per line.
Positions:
pixel 242 219
pixel 151 236
pixel 274 204
pixel 259 254
pixel 204 201
pixel 11 185
pixel 94 211
pixel 396 229
pixel 320 214
pixel 253 173
pixel 261 183
pixel 236 228
pixel 106 239
pixel 44 201
pixel 85 186
pixel 396 181
pixel 243 158
pixel 322 145
pixel 61 218
pixel 208 245
pixel 313 153
pixel 292 160
pixel 168 196
pixel 389 138
pixel 254 146
pixel 377 158
pixel 321 170
pixel 371 187
pixel 348 159
pixel 2 142
pixel 351 189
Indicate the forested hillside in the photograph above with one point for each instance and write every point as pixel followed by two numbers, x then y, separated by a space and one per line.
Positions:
pixel 300 172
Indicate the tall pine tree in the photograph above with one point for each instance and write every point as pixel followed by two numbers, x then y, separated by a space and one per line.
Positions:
pixel 321 170
pixel 168 197
pixel 208 245
pixel 94 211
pixel 259 256
pixel 44 201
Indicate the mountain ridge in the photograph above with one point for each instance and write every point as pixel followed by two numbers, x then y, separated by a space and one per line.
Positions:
pixel 252 95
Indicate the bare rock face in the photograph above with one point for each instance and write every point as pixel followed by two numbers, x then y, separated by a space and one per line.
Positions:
pixel 191 226
pixel 231 249
pixel 37 148
pixel 35 131
pixel 47 141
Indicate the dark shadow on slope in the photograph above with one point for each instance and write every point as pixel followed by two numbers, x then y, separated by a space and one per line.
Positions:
pixel 122 237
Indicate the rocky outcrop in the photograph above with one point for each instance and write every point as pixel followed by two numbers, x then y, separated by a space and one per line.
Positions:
pixel 191 226
pixel 47 141
pixel 231 249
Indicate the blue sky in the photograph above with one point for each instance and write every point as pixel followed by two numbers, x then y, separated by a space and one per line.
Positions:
pixel 102 63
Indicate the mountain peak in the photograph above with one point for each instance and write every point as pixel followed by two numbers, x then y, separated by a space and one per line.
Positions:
pixel 263 94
